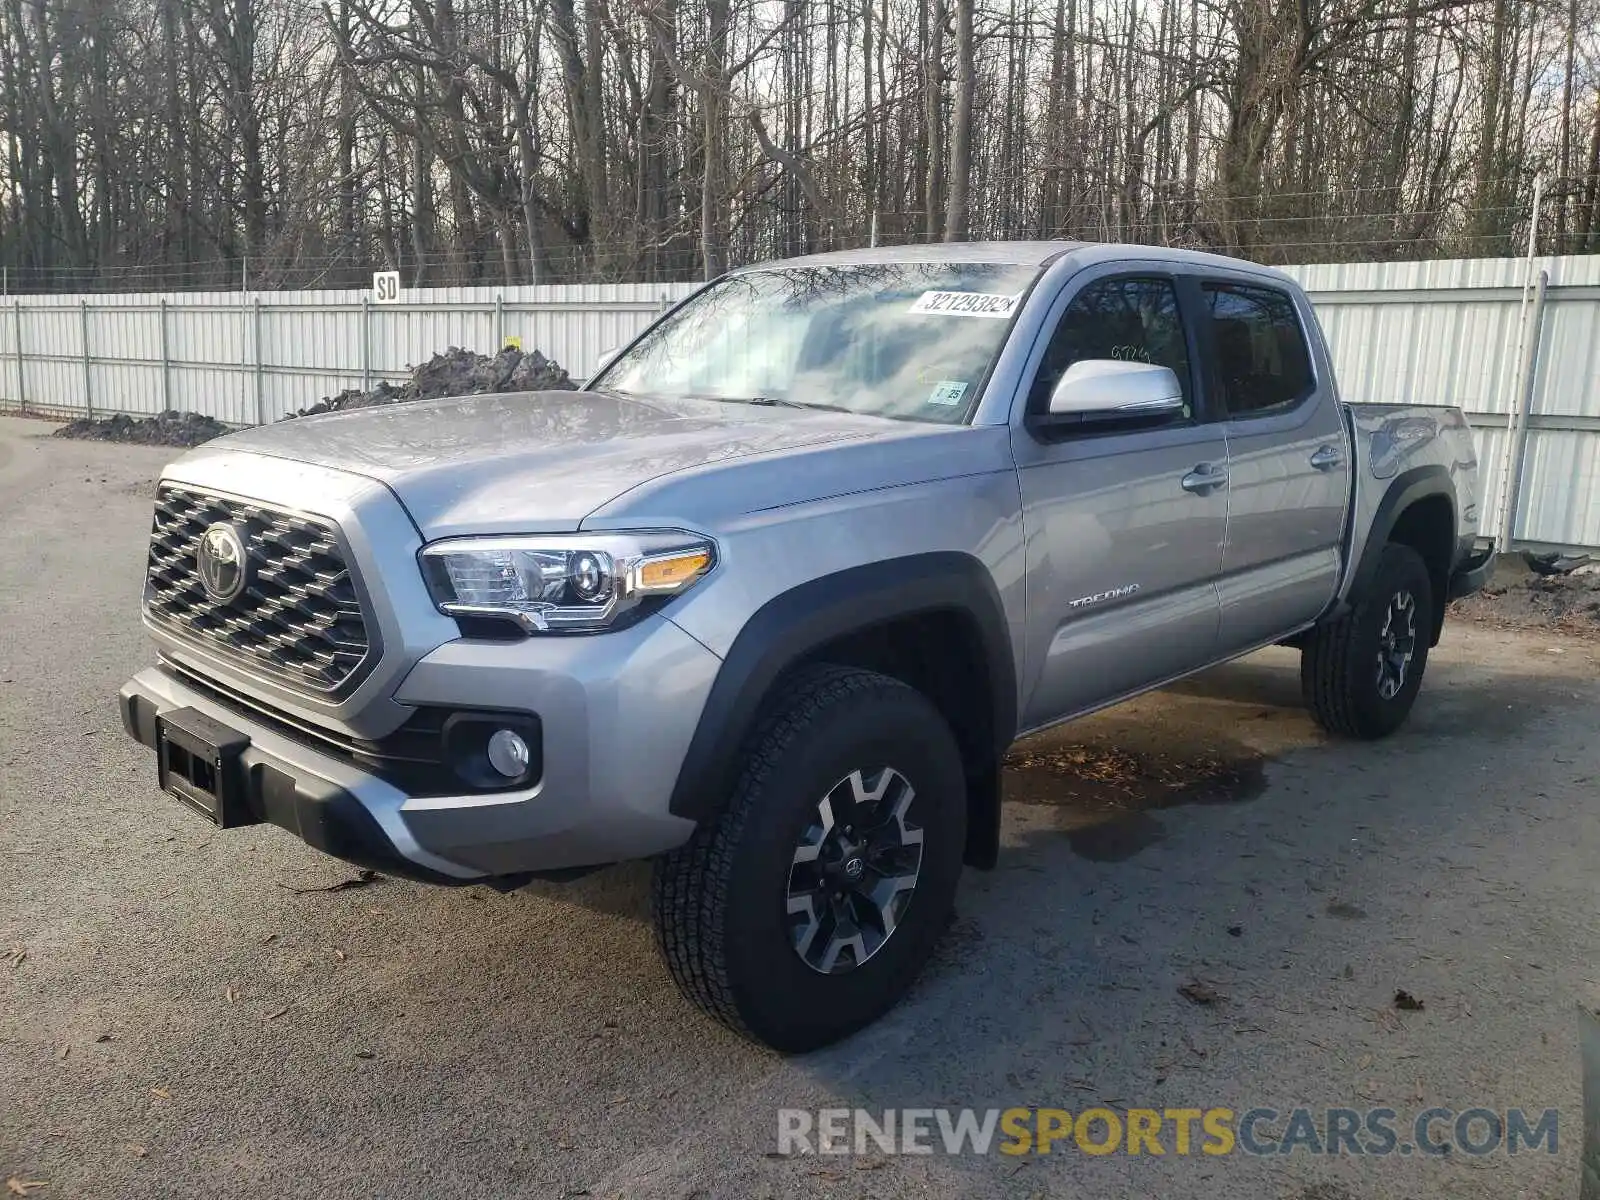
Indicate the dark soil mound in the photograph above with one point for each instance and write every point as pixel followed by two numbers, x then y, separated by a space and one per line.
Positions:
pixel 456 372
pixel 170 428
pixel 1520 598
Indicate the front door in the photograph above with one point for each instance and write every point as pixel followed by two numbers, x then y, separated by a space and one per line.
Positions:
pixel 1124 526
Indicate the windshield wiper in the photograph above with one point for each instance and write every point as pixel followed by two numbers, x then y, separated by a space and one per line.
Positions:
pixel 771 402
pixel 780 402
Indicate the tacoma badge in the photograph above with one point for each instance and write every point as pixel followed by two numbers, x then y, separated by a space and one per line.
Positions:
pixel 1115 593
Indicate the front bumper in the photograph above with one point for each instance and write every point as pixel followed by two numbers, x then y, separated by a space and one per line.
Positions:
pixel 313 797
pixel 617 713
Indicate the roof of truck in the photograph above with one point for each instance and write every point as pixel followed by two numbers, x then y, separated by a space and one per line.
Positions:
pixel 1022 253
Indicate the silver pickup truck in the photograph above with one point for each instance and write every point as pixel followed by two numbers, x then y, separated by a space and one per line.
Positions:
pixel 769 599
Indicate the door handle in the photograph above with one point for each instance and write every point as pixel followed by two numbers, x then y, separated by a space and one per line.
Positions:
pixel 1204 478
pixel 1325 458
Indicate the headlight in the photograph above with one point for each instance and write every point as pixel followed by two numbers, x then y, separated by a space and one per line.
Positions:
pixel 563 582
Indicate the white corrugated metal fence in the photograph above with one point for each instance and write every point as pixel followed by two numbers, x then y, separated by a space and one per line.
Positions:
pixel 1443 332
pixel 250 358
pixel 1447 332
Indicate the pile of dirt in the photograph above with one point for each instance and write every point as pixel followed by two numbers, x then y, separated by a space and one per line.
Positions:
pixel 171 428
pixel 1518 597
pixel 456 372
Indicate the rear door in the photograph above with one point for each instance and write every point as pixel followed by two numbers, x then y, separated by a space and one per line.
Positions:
pixel 1288 459
pixel 1124 526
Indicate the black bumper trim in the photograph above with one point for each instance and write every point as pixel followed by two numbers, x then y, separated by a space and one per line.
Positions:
pixel 322 814
pixel 413 758
pixel 1472 574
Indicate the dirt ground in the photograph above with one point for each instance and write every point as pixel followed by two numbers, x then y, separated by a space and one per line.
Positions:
pixel 1518 598
pixel 182 1014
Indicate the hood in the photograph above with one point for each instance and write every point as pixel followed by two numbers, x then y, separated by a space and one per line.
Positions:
pixel 537 461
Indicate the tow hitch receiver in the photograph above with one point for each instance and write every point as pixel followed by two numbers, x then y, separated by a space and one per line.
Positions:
pixel 197 760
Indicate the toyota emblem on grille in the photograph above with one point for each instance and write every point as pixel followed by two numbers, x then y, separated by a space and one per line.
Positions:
pixel 222 563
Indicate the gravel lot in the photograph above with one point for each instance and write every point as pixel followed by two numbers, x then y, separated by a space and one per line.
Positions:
pixel 179 1018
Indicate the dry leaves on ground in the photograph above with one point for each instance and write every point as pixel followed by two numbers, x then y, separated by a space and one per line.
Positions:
pixel 361 879
pixel 1199 992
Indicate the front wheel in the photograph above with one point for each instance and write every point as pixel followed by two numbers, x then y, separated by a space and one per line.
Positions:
pixel 807 907
pixel 1360 674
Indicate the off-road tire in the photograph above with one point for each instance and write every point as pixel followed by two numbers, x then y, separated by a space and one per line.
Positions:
pixel 1339 672
pixel 719 901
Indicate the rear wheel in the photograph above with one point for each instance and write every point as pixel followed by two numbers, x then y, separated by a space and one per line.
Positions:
pixel 1360 674
pixel 807 907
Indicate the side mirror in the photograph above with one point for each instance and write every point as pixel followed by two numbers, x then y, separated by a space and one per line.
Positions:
pixel 1093 390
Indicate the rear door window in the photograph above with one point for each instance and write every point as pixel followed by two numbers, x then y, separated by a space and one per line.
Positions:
pixel 1262 364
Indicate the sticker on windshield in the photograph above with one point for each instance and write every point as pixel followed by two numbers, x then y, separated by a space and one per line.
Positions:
pixel 947 392
pixel 966 304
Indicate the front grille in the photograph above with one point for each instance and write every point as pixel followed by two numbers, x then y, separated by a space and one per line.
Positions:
pixel 299 620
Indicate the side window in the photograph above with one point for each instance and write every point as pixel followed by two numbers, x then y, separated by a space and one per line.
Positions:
pixel 1135 320
pixel 1262 362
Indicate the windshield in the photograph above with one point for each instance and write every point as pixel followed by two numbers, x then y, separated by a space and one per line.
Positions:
pixel 909 340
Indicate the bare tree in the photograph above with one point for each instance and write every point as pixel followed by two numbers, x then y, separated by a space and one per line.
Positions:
pixel 165 144
pixel 960 185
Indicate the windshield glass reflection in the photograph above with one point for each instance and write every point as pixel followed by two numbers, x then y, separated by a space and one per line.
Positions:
pixel 907 340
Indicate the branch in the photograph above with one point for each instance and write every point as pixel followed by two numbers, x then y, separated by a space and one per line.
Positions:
pixel 791 164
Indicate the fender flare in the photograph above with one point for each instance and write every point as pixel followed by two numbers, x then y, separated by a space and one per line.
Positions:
pixel 796 623
pixel 1408 487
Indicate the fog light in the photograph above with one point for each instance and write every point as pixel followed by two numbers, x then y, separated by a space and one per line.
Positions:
pixel 508 753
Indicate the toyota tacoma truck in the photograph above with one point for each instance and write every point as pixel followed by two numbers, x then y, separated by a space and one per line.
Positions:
pixel 769 598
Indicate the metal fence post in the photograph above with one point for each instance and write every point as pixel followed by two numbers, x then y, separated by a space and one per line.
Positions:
pixel 244 359
pixel 88 388
pixel 499 322
pixel 1514 362
pixel 22 371
pixel 261 412
pixel 166 362
pixel 366 342
pixel 1518 433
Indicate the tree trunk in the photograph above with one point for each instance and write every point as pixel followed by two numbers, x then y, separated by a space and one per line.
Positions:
pixel 955 213
pixel 713 255
pixel 933 117
pixel 1490 168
